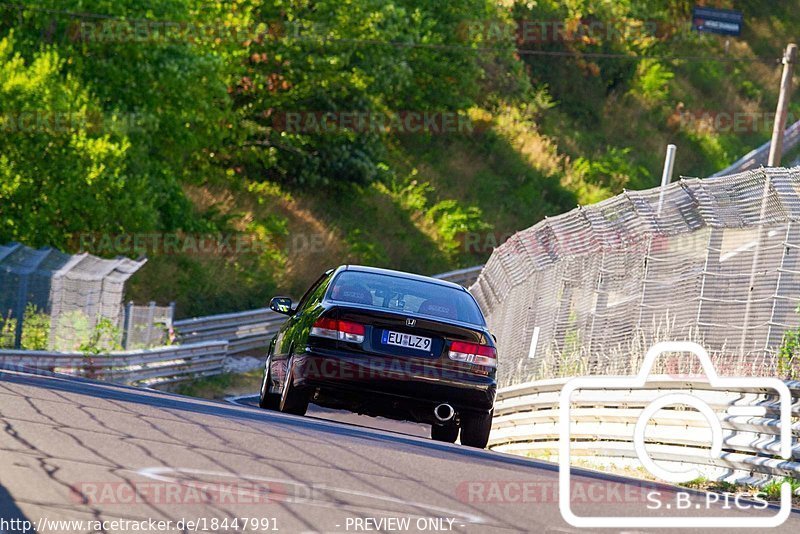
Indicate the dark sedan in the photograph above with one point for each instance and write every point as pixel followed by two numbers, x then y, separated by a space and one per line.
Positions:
pixel 386 343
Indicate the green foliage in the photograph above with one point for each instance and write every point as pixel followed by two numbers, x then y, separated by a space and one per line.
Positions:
pixel 8 331
pixel 448 218
pixel 327 61
pixel 47 169
pixel 363 250
pixel 612 171
pixel 137 119
pixel 72 328
pixel 103 338
pixel 789 356
pixel 773 488
pixel 35 329
pixel 652 81
pixel 451 220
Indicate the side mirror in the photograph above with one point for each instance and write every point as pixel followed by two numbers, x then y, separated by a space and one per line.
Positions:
pixel 281 305
pixel 494 337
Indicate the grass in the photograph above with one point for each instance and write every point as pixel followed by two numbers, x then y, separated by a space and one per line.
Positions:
pixel 771 491
pixel 220 386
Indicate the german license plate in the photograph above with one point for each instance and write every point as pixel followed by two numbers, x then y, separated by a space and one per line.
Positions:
pixel 406 340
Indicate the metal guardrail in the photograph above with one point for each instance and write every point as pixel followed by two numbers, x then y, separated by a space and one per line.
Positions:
pixel 759 156
pixel 526 422
pixel 144 367
pixel 465 277
pixel 244 332
pixel 205 343
pixel 252 330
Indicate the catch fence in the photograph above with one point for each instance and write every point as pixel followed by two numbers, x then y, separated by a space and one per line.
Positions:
pixel 713 261
pixel 50 300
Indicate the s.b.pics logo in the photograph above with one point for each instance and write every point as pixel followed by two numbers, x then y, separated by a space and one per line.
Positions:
pixel 677 427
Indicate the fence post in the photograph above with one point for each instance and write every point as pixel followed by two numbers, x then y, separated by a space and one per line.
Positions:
pixel 22 292
pixel 645 273
pixel 171 334
pixel 151 311
pixel 713 248
pixel 788 258
pixel 666 175
pixel 754 264
pixel 600 307
pixel 127 321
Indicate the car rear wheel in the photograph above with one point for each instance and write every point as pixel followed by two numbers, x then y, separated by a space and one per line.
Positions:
pixel 447 432
pixel 267 400
pixel 294 400
pixel 475 429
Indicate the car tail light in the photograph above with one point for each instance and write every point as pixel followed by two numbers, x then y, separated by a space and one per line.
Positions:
pixel 341 330
pixel 461 351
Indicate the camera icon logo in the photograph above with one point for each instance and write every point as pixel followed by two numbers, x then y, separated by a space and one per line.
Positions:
pixel 610 383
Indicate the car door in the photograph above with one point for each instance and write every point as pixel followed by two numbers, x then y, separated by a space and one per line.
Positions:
pixel 294 331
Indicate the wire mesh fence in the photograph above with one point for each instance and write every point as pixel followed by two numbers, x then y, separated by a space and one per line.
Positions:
pixel 713 261
pixel 147 326
pixel 50 300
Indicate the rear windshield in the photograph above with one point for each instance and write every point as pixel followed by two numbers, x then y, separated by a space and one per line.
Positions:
pixel 404 295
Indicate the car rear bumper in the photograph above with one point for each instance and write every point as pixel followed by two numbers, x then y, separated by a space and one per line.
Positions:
pixel 381 385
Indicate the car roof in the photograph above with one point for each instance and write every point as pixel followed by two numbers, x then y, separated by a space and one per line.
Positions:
pixel 400 274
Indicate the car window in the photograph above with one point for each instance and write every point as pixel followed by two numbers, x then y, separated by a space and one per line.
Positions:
pixel 405 295
pixel 315 292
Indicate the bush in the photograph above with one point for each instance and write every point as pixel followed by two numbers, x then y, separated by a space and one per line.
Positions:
pixel 787 365
pixel 8 331
pixel 35 329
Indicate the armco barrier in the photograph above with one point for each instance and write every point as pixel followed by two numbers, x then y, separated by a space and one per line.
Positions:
pixel 205 342
pixel 244 332
pixel 526 422
pixel 759 156
pixel 465 277
pixel 252 330
pixel 143 367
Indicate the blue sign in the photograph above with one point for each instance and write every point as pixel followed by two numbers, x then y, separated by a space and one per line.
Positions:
pixel 722 21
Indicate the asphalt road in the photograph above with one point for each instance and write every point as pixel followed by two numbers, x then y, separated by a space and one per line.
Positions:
pixel 342 416
pixel 85 451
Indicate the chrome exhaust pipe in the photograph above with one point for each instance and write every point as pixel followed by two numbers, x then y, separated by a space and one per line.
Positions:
pixel 444 412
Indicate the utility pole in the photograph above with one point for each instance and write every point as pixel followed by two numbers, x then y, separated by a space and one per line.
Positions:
pixel 776 146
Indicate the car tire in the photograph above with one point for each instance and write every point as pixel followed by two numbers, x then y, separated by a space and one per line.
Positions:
pixel 267 400
pixel 446 433
pixel 475 428
pixel 294 400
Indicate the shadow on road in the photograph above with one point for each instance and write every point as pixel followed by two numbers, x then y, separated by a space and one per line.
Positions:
pixel 11 517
